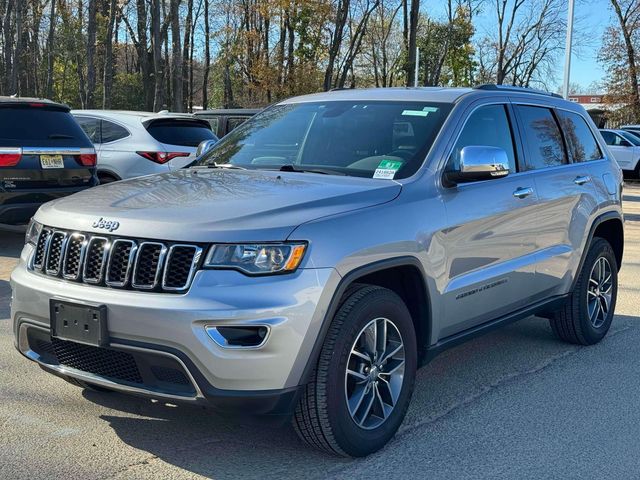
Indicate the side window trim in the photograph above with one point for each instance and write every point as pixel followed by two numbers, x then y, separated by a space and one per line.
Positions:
pixel 563 135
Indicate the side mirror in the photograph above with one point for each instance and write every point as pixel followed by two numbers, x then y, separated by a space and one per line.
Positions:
pixel 480 163
pixel 204 146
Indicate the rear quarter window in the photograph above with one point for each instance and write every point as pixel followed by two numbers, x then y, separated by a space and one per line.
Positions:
pixel 180 132
pixel 581 143
pixel 26 126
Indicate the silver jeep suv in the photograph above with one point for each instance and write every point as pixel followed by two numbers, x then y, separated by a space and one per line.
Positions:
pixel 326 249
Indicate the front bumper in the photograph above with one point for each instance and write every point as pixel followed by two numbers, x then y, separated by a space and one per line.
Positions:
pixel 168 330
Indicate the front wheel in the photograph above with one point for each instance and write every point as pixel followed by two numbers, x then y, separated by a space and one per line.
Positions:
pixel 363 381
pixel 586 317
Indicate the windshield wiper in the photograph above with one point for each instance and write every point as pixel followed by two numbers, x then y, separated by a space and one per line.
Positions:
pixel 324 171
pixel 228 166
pixel 60 136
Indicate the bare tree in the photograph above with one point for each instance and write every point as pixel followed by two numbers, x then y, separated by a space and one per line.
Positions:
pixel 107 81
pixel 176 54
pixel 628 15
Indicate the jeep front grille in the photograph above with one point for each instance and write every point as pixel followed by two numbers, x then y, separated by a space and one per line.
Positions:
pixel 116 262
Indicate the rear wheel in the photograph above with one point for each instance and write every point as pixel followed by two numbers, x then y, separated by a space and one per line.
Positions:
pixel 363 381
pixel 586 317
pixel 105 178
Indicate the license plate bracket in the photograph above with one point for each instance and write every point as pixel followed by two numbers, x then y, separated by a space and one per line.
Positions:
pixel 84 323
pixel 51 161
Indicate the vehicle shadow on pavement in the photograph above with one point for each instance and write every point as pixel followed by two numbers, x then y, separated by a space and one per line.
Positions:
pixel 204 442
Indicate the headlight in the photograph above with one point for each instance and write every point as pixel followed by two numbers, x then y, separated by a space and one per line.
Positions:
pixel 33 230
pixel 257 259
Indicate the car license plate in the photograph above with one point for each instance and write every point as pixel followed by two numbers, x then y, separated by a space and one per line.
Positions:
pixel 79 322
pixel 51 161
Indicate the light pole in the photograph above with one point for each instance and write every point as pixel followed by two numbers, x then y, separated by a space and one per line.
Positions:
pixel 567 51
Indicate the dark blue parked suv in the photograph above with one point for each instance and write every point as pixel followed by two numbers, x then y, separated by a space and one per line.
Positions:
pixel 44 155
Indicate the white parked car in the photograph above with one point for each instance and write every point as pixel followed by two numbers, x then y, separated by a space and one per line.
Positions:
pixel 625 148
pixel 132 144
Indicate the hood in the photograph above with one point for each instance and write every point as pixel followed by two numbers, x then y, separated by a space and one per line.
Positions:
pixel 214 205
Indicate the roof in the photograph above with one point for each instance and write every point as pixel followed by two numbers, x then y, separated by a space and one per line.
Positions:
pixel 432 94
pixel 412 94
pixel 23 100
pixel 133 118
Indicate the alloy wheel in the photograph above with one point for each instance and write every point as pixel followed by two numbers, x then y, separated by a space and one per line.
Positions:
pixel 599 292
pixel 375 373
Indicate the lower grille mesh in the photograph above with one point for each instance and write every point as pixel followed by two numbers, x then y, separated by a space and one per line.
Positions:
pixel 99 361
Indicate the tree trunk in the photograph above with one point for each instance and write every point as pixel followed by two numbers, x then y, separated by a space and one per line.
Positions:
pixel 17 57
pixel 50 46
pixel 143 56
pixel 8 47
pixel 342 15
pixel 91 54
pixel 207 57
pixel 156 46
pixel 107 82
pixel 186 52
pixel 176 70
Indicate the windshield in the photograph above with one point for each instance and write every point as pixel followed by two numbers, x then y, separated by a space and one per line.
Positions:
pixel 365 139
pixel 634 139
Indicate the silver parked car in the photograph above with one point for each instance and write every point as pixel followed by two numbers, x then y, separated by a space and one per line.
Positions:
pixel 132 144
pixel 318 255
pixel 625 148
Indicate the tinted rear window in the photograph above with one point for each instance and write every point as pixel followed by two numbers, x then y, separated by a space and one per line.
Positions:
pixel 23 126
pixel 180 132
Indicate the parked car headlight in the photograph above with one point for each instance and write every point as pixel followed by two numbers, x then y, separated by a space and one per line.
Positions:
pixel 33 230
pixel 256 259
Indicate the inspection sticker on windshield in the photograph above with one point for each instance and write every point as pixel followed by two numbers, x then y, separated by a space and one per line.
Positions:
pixel 420 113
pixel 387 169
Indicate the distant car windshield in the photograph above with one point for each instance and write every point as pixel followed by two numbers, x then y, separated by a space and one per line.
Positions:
pixel 633 138
pixel 365 139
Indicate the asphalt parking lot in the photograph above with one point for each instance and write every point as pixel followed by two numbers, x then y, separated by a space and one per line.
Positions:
pixel 514 404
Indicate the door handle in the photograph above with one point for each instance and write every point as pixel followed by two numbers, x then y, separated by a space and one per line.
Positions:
pixel 523 192
pixel 582 179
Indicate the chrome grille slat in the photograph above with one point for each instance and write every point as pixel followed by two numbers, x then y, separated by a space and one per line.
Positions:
pixel 121 258
pixel 95 260
pixel 40 254
pixel 179 271
pixel 55 250
pixel 74 256
pixel 148 265
pixel 109 261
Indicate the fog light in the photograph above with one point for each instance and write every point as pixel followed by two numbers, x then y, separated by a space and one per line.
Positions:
pixel 238 337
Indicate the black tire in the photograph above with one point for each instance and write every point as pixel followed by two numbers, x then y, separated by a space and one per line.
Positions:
pixel 322 417
pixel 572 323
pixel 105 178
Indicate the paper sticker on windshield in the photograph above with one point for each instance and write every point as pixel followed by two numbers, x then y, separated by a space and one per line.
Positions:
pixel 387 169
pixel 420 113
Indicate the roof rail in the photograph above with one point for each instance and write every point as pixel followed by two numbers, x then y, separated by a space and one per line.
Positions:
pixel 513 88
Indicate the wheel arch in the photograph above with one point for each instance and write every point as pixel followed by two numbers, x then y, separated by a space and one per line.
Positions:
pixel 609 226
pixel 403 275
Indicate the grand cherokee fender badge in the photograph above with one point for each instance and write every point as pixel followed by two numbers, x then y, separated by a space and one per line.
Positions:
pixel 109 225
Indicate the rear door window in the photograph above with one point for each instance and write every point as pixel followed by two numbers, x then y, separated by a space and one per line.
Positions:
pixel 91 127
pixel 27 126
pixel 581 143
pixel 180 132
pixel 112 132
pixel 543 137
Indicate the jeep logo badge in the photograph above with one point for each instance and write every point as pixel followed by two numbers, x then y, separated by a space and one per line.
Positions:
pixel 109 225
